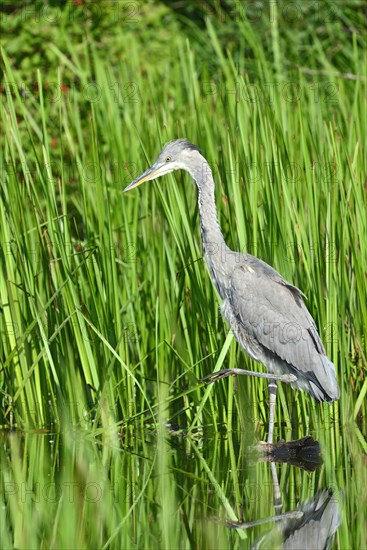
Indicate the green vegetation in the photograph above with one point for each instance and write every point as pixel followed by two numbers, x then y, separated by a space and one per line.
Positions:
pixel 108 315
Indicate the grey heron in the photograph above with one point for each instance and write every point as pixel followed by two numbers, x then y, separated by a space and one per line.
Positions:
pixel 257 302
pixel 315 526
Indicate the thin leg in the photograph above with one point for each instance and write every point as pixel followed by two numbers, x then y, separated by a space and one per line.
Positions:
pixel 273 396
pixel 218 375
pixel 276 489
pixel 294 514
pixel 278 505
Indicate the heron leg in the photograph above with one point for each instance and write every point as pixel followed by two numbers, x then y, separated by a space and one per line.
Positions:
pixel 273 396
pixel 218 375
pixel 276 489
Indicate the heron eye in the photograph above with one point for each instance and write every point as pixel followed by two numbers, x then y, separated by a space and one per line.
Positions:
pixel 168 159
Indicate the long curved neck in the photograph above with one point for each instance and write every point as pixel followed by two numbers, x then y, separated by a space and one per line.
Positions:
pixel 215 248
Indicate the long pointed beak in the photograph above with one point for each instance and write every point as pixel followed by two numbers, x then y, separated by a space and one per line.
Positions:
pixel 149 174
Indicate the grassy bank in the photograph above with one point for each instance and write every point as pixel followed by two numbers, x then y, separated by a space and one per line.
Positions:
pixel 105 295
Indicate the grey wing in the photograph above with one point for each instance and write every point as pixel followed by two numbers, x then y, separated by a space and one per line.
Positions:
pixel 273 324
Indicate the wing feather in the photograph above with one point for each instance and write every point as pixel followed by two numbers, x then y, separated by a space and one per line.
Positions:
pixel 279 330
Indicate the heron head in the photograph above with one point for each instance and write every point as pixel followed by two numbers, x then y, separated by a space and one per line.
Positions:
pixel 175 155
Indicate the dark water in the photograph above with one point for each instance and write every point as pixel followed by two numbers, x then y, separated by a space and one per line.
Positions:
pixel 163 489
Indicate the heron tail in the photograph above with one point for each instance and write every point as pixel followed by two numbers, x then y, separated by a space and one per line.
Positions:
pixel 323 386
